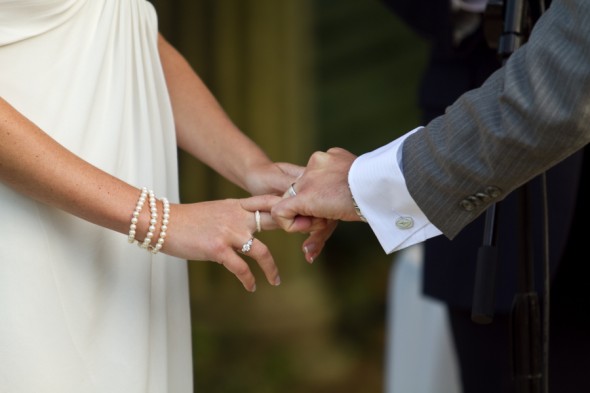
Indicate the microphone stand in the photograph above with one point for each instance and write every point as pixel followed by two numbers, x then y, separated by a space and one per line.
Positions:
pixel 525 316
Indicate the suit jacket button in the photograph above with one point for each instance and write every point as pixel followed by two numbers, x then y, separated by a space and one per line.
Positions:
pixel 494 192
pixel 483 197
pixel 404 222
pixel 475 200
pixel 467 205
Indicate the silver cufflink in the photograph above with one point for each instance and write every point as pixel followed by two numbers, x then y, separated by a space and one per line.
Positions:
pixel 404 222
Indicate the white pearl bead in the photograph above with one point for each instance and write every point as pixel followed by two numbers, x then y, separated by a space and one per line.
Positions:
pixel 135 214
pixel 153 207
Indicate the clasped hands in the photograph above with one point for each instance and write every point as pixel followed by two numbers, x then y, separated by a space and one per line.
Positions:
pixel 317 198
pixel 307 200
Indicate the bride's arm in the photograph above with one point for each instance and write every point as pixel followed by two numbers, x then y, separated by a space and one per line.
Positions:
pixel 205 131
pixel 34 164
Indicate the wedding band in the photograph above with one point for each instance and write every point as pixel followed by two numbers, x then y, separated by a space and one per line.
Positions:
pixel 292 190
pixel 257 217
pixel 247 246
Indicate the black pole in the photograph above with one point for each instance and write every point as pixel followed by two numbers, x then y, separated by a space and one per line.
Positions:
pixel 513 34
pixel 482 310
pixel 518 17
pixel 526 313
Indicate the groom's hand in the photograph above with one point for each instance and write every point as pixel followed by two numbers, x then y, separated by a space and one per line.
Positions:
pixel 318 199
pixel 321 192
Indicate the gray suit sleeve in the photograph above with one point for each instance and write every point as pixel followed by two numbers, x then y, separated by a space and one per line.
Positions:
pixel 528 116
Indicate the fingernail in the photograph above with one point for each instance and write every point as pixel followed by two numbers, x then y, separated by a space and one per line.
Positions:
pixel 253 288
pixel 278 281
pixel 308 250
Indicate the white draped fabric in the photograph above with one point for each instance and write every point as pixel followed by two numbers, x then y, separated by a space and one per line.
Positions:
pixel 82 310
pixel 420 355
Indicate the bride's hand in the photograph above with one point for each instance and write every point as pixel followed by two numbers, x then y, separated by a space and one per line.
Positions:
pixel 272 178
pixel 220 231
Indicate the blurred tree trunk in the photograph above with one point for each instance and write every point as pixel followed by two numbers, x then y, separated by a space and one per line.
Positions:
pixel 322 329
pixel 255 56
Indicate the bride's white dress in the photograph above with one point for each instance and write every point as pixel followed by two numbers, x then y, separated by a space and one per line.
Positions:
pixel 82 310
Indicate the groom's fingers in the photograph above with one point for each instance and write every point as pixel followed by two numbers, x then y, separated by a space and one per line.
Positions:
pixel 314 244
pixel 290 216
pixel 284 214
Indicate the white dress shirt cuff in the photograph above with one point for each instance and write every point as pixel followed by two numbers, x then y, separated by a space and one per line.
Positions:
pixel 377 183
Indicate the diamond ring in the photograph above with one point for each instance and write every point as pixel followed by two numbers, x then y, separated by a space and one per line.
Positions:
pixel 246 247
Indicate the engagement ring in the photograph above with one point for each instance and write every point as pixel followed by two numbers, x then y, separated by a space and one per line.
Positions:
pixel 247 246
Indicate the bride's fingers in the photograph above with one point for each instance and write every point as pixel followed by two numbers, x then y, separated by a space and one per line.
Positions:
pixel 266 222
pixel 261 221
pixel 258 251
pixel 236 265
pixel 262 255
pixel 292 170
pixel 260 202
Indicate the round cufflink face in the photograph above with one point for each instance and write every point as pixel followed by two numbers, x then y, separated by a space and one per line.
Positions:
pixel 404 222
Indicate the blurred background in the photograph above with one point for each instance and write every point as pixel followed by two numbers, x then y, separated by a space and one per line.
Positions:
pixel 297 76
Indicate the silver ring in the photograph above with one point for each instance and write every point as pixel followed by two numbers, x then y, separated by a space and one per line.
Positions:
pixel 246 247
pixel 292 190
pixel 257 217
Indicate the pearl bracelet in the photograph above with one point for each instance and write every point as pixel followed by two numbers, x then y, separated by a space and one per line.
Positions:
pixel 135 215
pixel 163 228
pixel 146 243
pixel 153 220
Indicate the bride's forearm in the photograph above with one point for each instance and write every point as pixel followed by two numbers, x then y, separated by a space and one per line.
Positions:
pixel 34 164
pixel 203 128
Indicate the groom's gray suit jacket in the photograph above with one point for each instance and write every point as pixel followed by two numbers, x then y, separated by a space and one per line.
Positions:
pixel 527 117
